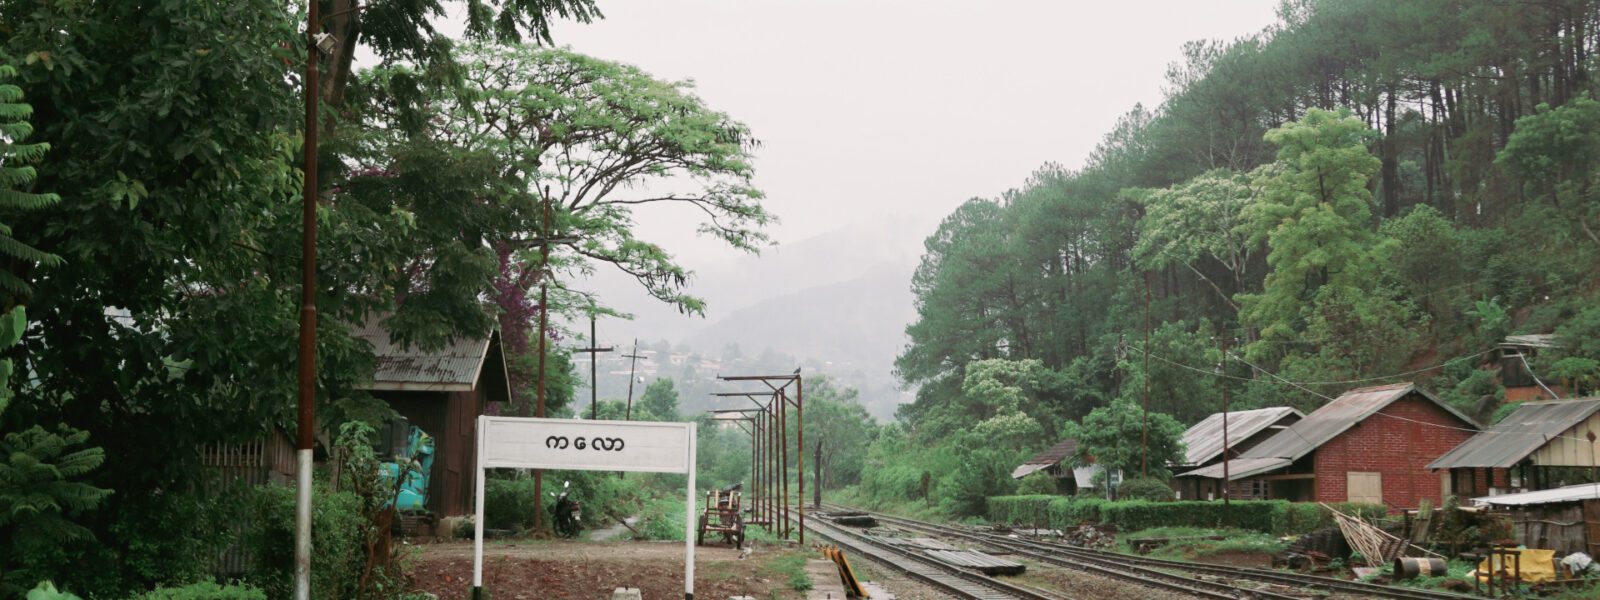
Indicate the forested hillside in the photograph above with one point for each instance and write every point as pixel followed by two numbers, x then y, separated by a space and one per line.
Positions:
pixel 1366 192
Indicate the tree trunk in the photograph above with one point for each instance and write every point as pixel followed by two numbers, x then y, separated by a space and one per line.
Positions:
pixel 1391 162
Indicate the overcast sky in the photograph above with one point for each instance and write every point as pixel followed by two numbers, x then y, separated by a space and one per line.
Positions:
pixel 890 113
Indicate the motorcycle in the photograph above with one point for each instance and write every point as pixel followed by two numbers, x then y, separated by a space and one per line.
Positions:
pixel 567 515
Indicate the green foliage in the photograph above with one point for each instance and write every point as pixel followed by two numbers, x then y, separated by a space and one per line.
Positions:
pixel 659 402
pixel 1110 437
pixel 837 421
pixel 206 590
pixel 47 591
pixel 1553 152
pixel 1036 484
pixel 42 492
pixel 16 174
pixel 1151 489
pixel 338 542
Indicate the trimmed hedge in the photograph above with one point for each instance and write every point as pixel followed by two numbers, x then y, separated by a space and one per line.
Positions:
pixel 1277 517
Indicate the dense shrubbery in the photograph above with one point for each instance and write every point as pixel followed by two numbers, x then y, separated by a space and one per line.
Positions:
pixel 337 543
pixel 1268 516
pixel 1145 489
pixel 208 590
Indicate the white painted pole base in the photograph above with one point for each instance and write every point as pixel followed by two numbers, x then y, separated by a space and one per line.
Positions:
pixel 302 526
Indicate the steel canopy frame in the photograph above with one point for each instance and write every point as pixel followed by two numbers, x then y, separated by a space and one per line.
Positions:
pixel 775 456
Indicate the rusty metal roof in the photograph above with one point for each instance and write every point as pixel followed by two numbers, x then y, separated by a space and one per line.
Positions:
pixel 1324 424
pixel 452 368
pixel 1203 442
pixel 1521 433
pixel 1046 459
pixel 1240 468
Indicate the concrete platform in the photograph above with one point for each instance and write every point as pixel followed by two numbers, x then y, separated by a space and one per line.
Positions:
pixel 825 583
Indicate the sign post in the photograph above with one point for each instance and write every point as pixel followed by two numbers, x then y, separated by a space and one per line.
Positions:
pixel 529 443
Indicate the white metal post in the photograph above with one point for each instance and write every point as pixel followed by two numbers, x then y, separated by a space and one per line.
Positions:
pixel 302 524
pixel 689 518
pixel 477 519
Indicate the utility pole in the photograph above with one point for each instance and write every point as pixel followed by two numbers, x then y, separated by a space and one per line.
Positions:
pixel 633 361
pixel 305 431
pixel 1223 378
pixel 594 351
pixel 544 324
pixel 1144 416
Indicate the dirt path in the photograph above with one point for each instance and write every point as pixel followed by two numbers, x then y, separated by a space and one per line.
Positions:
pixel 574 570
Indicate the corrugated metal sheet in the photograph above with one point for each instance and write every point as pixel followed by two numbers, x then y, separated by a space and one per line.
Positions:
pixel 1338 416
pixel 1536 340
pixel 1203 442
pixel 1318 427
pixel 1518 435
pixel 985 563
pixel 453 367
pixel 1046 459
pixel 1571 493
pixel 1240 468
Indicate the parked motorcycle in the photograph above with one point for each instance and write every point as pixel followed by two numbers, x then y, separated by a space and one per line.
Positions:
pixel 566 515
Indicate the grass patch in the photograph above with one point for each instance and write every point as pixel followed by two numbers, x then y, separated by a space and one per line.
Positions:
pixel 1234 540
pixel 791 568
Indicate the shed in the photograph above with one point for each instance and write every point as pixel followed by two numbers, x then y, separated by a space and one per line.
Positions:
pixel 1512 356
pixel 1068 481
pixel 441 390
pixel 1203 444
pixel 1520 451
pixel 1565 519
pixel 1370 444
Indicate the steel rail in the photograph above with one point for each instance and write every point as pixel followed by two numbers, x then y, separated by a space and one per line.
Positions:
pixel 966 585
pixel 1263 575
pixel 1108 565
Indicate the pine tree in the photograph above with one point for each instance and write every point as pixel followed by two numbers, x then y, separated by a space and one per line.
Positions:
pixel 38 467
pixel 16 174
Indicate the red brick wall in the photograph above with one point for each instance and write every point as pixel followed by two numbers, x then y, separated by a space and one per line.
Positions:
pixel 1400 450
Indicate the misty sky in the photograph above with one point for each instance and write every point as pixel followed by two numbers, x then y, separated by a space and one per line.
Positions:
pixel 890 113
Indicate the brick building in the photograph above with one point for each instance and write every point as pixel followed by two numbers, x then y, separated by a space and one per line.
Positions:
pixel 1369 445
pixel 1202 445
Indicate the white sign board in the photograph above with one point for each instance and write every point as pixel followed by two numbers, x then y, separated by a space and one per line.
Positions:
pixel 525 443
pixel 586 445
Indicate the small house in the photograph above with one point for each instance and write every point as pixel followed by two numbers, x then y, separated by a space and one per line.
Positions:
pixel 1526 450
pixel 1368 445
pixel 1051 462
pixel 1513 358
pixel 442 391
pixel 1203 445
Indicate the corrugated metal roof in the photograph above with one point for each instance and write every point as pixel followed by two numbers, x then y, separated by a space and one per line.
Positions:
pixel 1317 428
pixel 1046 459
pixel 1338 416
pixel 454 367
pixel 1571 493
pixel 1533 340
pixel 1522 432
pixel 1240 468
pixel 1203 442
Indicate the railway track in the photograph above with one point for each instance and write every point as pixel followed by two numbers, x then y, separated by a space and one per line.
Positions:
pixel 1056 551
pixel 963 584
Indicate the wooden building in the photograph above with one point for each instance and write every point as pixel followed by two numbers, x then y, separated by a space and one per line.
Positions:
pixel 1368 445
pixel 1203 446
pixel 1540 445
pixel 1564 519
pixel 442 391
pixel 1050 462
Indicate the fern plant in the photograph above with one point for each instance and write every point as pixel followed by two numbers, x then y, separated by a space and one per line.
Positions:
pixel 17 174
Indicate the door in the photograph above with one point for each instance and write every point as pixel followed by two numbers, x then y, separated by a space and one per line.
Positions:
pixel 1364 487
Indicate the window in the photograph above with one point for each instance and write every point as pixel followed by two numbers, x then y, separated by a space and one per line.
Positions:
pixel 1364 487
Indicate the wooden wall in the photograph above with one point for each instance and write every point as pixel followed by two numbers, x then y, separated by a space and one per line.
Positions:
pixel 1572 449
